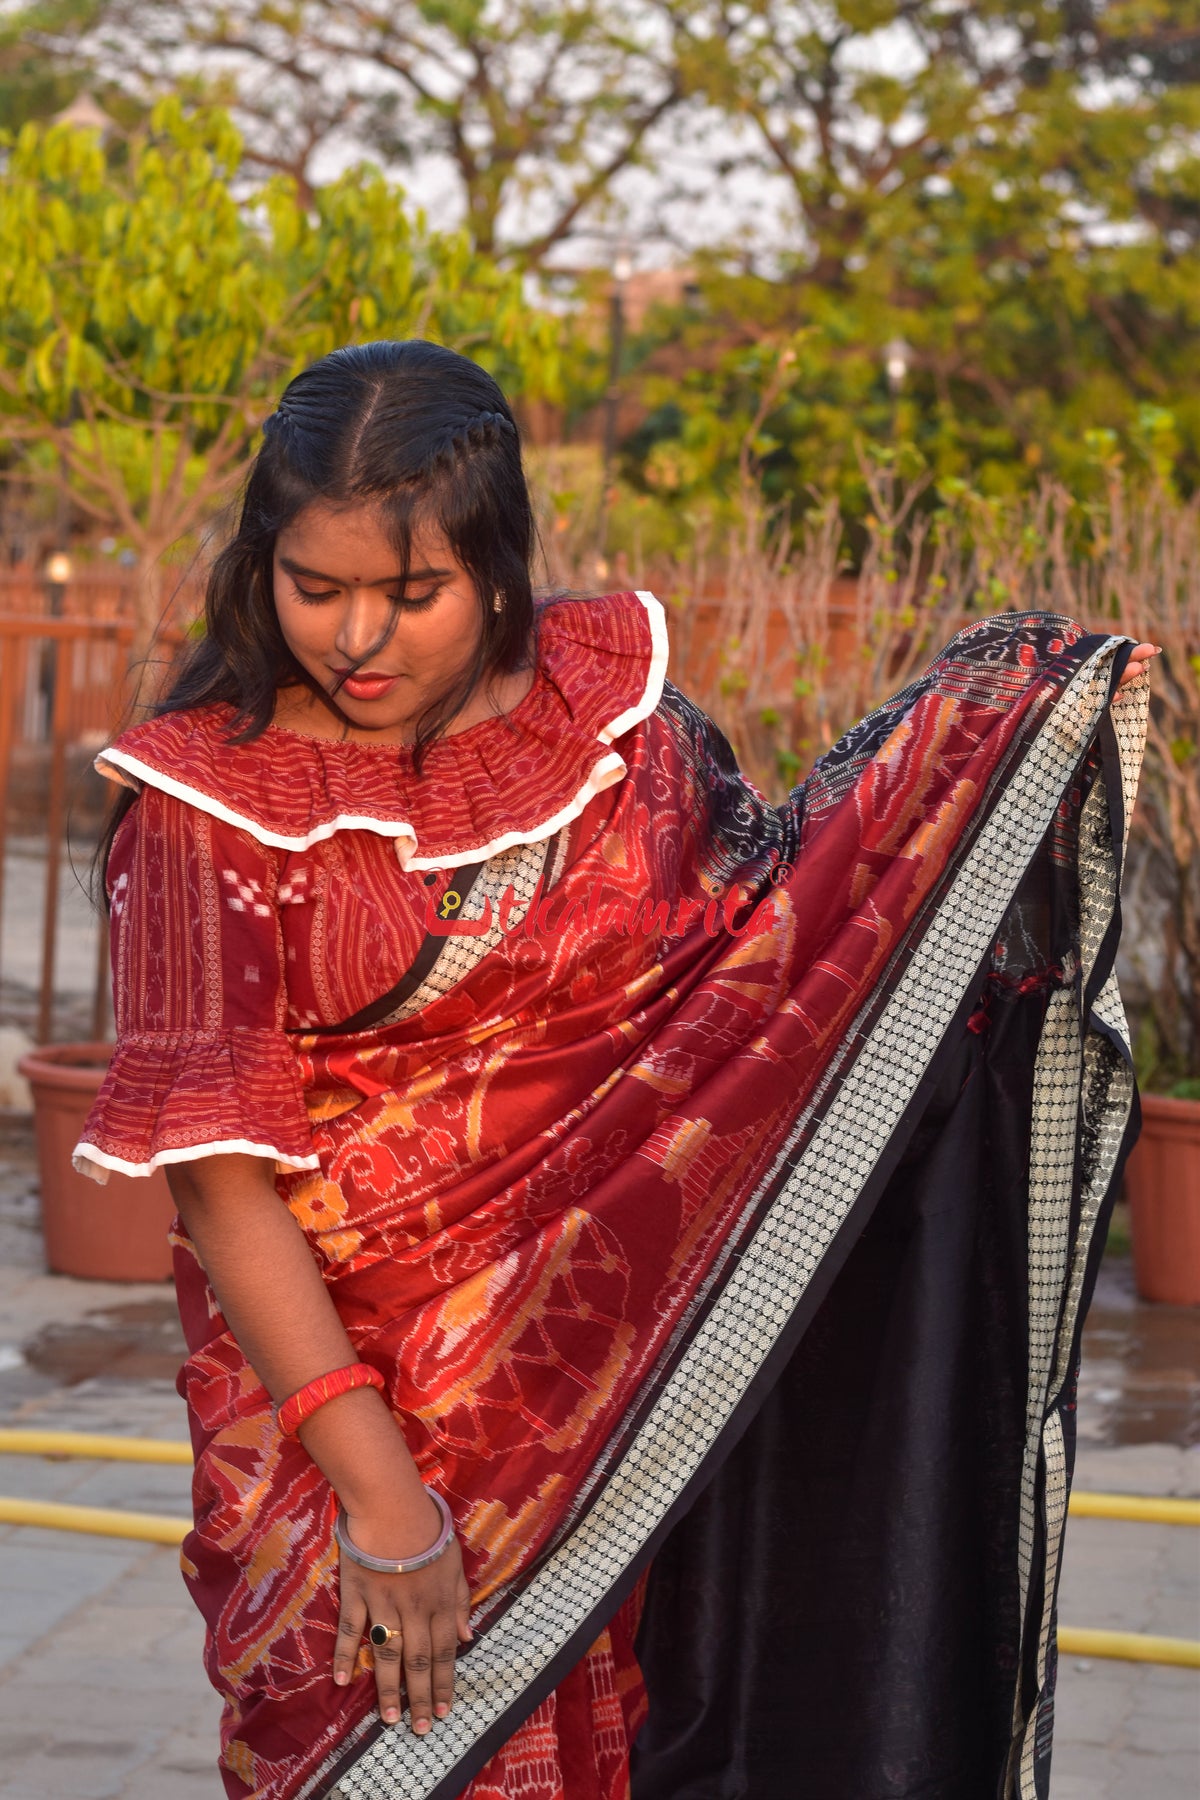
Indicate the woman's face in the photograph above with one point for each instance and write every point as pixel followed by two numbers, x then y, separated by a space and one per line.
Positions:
pixel 337 591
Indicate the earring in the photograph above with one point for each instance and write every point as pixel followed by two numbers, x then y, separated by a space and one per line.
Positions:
pixel 497 601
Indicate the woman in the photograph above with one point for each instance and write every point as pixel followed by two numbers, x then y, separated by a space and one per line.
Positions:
pixel 522 1078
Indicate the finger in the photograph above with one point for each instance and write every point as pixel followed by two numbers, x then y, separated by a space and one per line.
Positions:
pixel 1139 657
pixel 418 1664
pixel 387 1667
pixel 462 1611
pixel 443 1641
pixel 352 1622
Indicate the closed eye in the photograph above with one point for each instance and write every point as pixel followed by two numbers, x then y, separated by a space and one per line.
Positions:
pixel 408 602
pixel 414 602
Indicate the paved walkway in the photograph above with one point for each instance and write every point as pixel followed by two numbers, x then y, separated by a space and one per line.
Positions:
pixel 102 1693
pixel 1128 1731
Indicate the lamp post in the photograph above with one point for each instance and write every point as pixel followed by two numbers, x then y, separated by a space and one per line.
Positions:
pixel 622 270
pixel 897 358
pixel 58 576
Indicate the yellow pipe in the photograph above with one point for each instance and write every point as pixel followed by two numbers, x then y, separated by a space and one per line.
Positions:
pixel 88 1443
pixel 96 1521
pixel 1143 1509
pixel 1129 1646
pixel 1149 1509
pixel 153 1528
pixel 1139 1508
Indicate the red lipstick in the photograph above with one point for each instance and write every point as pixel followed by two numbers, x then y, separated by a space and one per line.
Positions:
pixel 365 685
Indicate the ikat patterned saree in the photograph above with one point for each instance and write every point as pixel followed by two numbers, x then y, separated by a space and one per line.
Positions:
pixel 586 1071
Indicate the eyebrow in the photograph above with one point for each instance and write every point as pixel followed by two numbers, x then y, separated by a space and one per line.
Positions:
pixel 295 568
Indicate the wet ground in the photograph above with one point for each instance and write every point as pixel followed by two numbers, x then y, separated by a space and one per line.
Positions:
pixel 136 1341
pixel 1140 1381
pixel 118 1337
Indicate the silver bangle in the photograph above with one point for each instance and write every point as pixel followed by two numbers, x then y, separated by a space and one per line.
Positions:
pixel 407 1565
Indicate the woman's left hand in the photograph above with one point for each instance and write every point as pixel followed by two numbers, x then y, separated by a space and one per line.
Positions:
pixel 1140 659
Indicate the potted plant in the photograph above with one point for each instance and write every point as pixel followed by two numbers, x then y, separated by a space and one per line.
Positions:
pixel 113 1233
pixel 1162 601
pixel 1163 1183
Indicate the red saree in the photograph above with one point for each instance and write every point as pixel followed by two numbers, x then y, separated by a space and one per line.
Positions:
pixel 579 1184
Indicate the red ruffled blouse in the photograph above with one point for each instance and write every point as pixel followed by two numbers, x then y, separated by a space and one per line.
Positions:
pixel 261 889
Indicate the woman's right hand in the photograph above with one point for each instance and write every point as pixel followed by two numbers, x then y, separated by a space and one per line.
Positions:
pixel 429 1610
pixel 275 1301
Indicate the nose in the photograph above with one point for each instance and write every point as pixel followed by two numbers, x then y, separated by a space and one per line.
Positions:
pixel 365 625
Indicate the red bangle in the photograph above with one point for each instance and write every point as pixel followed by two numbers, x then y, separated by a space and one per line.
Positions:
pixel 291 1413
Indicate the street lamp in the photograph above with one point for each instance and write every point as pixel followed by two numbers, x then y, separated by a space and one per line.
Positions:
pixel 622 270
pixel 897 359
pixel 58 573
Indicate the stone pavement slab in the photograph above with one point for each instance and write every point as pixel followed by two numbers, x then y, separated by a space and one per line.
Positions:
pixel 130 1487
pixel 103 1694
pixel 109 1702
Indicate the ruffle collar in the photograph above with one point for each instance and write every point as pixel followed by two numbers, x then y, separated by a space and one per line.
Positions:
pixel 514 779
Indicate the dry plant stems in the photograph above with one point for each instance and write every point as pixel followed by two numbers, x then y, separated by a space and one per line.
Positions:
pixel 784 648
pixel 1128 562
pixel 1144 578
pixel 566 481
pixel 910 594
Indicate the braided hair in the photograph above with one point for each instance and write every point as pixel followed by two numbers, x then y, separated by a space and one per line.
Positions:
pixel 412 428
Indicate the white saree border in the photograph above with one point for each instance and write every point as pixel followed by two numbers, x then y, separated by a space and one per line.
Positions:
pixel 763 1287
pixel 1083 1096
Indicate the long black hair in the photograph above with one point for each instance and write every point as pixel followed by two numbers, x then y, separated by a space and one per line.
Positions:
pixel 427 437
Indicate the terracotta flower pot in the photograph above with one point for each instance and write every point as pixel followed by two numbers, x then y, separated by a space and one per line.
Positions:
pixel 117 1232
pixel 1163 1184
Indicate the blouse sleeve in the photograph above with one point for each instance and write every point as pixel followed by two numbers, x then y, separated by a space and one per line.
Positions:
pixel 202 1064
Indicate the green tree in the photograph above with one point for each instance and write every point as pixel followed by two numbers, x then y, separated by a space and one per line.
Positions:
pixel 532 107
pixel 43 64
pixel 1012 195
pixel 150 311
pixel 971 184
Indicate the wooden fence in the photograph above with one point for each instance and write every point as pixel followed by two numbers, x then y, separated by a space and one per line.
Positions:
pixel 98 590
pixel 65 687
